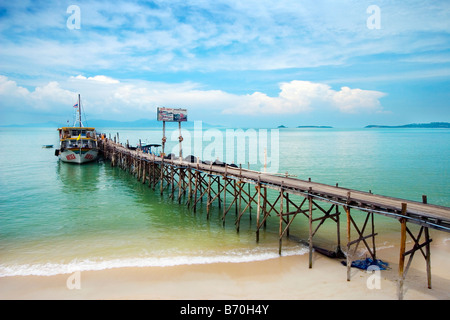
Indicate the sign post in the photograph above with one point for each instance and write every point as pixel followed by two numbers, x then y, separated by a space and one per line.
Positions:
pixel 180 139
pixel 164 139
pixel 172 115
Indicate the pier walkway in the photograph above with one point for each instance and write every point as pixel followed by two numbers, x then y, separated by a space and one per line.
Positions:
pixel 217 182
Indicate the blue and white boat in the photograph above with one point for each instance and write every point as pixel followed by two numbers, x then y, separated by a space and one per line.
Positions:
pixel 78 144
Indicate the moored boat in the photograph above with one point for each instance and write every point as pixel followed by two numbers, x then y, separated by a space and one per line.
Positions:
pixel 78 144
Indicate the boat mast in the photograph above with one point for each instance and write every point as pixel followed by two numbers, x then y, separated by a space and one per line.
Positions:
pixel 79 111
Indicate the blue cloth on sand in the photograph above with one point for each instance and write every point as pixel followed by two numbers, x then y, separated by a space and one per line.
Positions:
pixel 366 263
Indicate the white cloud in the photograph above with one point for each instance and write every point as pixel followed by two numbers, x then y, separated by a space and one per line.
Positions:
pixel 98 78
pixel 356 100
pixel 105 97
pixel 44 98
pixel 50 95
pixel 305 96
pixel 10 88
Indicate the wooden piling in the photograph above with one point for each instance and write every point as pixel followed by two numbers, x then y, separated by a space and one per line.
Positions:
pixel 258 208
pixel 347 211
pixel 281 219
pixel 310 241
pixel 401 264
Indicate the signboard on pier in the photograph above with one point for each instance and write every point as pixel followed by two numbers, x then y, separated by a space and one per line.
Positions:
pixel 172 115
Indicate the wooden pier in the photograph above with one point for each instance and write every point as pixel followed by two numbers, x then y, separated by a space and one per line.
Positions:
pixel 193 180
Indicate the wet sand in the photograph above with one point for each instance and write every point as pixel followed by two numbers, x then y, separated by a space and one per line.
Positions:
pixel 283 278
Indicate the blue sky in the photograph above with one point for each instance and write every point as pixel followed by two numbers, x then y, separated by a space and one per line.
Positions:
pixel 243 63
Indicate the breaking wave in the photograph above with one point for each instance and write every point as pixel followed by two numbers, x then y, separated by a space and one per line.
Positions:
pixel 96 264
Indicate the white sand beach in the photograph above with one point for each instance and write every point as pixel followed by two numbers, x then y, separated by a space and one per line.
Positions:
pixel 283 278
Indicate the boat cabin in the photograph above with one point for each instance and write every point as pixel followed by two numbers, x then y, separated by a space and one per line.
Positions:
pixel 75 132
pixel 77 137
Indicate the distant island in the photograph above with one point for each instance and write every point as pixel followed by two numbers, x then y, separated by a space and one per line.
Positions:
pixel 415 125
pixel 320 127
pixel 306 127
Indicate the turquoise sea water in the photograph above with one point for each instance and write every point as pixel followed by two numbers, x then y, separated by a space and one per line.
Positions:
pixel 59 218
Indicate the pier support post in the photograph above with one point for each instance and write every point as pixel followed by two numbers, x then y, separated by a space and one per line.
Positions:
pixel 219 192
pixel 236 196
pixel 310 229
pixel 161 176
pixel 281 219
pixel 145 169
pixel 172 180
pixel 225 180
pixel 189 187
pixel 197 173
pixel 258 208
pixel 113 159
pixel 401 264
pixel 339 249
pixel 208 202
pixel 181 184
pixel 287 217
pixel 349 262
pixel 266 213
pixel 402 269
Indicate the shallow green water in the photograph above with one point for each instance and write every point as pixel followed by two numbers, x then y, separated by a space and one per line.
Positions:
pixel 58 218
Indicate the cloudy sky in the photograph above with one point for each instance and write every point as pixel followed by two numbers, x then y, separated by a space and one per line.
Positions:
pixel 246 63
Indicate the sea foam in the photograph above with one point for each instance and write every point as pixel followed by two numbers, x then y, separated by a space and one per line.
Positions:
pixel 51 269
